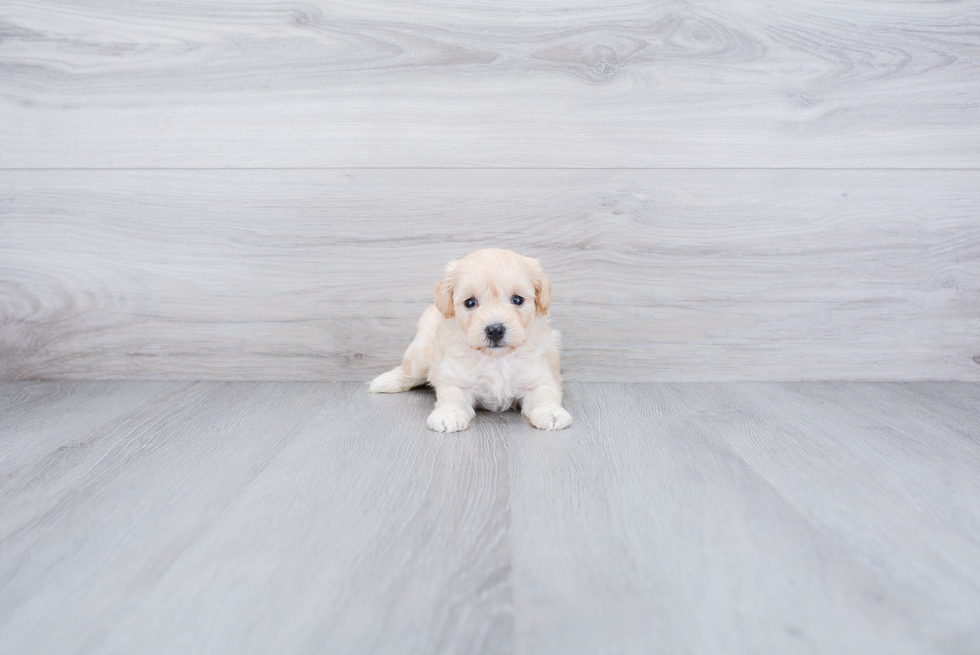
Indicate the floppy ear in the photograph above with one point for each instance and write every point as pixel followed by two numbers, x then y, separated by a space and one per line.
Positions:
pixel 444 291
pixel 542 286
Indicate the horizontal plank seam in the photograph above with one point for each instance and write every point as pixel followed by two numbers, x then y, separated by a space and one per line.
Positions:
pixel 491 168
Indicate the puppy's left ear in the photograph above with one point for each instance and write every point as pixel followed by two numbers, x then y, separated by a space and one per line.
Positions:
pixel 542 286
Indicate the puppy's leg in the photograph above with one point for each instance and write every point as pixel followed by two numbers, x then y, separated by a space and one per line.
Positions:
pixel 542 407
pixel 415 364
pixel 453 412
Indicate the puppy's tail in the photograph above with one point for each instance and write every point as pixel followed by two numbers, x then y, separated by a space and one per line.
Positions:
pixel 394 381
pixel 415 364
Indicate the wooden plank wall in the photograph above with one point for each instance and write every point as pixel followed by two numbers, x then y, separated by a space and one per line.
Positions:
pixel 720 190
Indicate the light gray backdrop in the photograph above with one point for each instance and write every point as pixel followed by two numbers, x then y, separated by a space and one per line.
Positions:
pixel 720 190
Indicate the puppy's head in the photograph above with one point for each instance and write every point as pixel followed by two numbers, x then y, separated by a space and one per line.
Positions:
pixel 493 295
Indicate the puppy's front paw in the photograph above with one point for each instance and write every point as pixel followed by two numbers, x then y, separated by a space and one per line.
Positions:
pixel 549 418
pixel 448 419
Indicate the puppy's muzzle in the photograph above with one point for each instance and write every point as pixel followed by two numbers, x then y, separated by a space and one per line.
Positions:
pixel 495 334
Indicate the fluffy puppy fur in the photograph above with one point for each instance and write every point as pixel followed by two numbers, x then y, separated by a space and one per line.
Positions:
pixel 486 343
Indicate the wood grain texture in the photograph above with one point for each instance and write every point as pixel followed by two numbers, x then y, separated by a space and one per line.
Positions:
pixel 658 275
pixel 162 517
pixel 750 518
pixel 248 518
pixel 816 83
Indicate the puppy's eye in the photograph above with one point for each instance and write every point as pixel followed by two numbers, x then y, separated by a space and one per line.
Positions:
pixel 517 300
pixel 469 303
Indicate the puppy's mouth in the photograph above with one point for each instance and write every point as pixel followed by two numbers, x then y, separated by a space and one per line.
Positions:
pixel 494 349
pixel 491 348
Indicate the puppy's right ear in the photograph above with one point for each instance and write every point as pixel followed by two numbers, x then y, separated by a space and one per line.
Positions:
pixel 444 290
pixel 542 286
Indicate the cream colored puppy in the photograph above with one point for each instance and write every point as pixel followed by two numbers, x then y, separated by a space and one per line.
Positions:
pixel 486 343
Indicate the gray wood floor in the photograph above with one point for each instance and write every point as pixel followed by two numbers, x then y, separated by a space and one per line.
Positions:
pixel 182 517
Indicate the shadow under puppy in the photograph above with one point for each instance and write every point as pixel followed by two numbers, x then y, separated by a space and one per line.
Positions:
pixel 486 343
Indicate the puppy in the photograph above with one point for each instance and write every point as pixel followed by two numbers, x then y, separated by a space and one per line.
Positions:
pixel 486 343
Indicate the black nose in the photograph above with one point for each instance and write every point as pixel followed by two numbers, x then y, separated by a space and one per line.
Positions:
pixel 495 332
